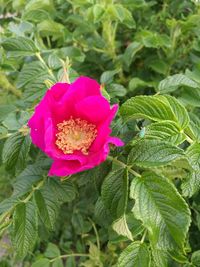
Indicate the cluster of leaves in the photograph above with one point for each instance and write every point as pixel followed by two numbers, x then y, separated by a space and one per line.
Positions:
pixel 142 206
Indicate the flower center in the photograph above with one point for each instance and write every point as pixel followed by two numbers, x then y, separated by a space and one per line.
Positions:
pixel 75 134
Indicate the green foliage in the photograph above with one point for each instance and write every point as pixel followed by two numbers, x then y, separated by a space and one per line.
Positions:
pixel 141 207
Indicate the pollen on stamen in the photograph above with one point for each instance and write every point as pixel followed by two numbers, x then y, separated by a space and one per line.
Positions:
pixel 75 134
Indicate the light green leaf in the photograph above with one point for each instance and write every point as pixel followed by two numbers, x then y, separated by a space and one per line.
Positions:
pixel 50 28
pixel 155 40
pixel 172 83
pixel 24 232
pixel 196 258
pixel 36 15
pixel 41 263
pixel 15 151
pixel 135 255
pixel 5 110
pixel 121 227
pixel 131 51
pixel 107 76
pixel 98 12
pixel 19 46
pixel 167 131
pixel 162 210
pixel 149 107
pixel 29 72
pixel 180 112
pixel 156 108
pixel 149 153
pixel 191 185
pixel 114 192
pixel 52 251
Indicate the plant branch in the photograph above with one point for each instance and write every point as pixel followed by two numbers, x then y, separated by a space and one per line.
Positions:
pixel 124 166
pixel 38 55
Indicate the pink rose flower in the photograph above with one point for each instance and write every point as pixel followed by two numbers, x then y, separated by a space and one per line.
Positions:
pixel 71 124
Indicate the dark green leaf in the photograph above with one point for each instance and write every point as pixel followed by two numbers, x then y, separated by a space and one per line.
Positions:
pixel 24 230
pixel 15 150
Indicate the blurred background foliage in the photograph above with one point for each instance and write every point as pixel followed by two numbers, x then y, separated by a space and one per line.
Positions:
pixel 130 47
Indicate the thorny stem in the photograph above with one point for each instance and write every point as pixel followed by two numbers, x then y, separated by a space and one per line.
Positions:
pixel 70 255
pixel 38 55
pixel 124 166
pixel 96 233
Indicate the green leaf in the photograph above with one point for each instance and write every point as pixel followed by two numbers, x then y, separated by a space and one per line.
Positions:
pixel 50 28
pixel 172 83
pixel 63 191
pixel 15 151
pixel 107 76
pixel 152 153
pixel 156 108
pixel 191 184
pixel 52 251
pixel 114 192
pixel 19 46
pixel 130 52
pixel 36 15
pixel 24 230
pixel 148 107
pixel 196 258
pixel 121 227
pixel 180 112
pixel 5 110
pixel 25 180
pixel 162 210
pixel 193 154
pixel 41 263
pixel 29 72
pixel 102 214
pixel 48 206
pixel 98 12
pixel 167 131
pixel 135 255
pixel 154 40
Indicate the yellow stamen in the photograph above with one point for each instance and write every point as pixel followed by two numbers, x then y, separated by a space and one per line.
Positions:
pixel 75 134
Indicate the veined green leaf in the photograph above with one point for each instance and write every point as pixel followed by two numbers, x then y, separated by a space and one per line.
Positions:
pixel 26 179
pixel 63 191
pixel 121 227
pixel 149 153
pixel 15 150
pixel 172 83
pixel 191 185
pixel 148 107
pixel 19 46
pixel 48 206
pixel 135 255
pixel 114 192
pixel 162 210
pixel 180 112
pixel 24 230
pixel 156 108
pixel 167 131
